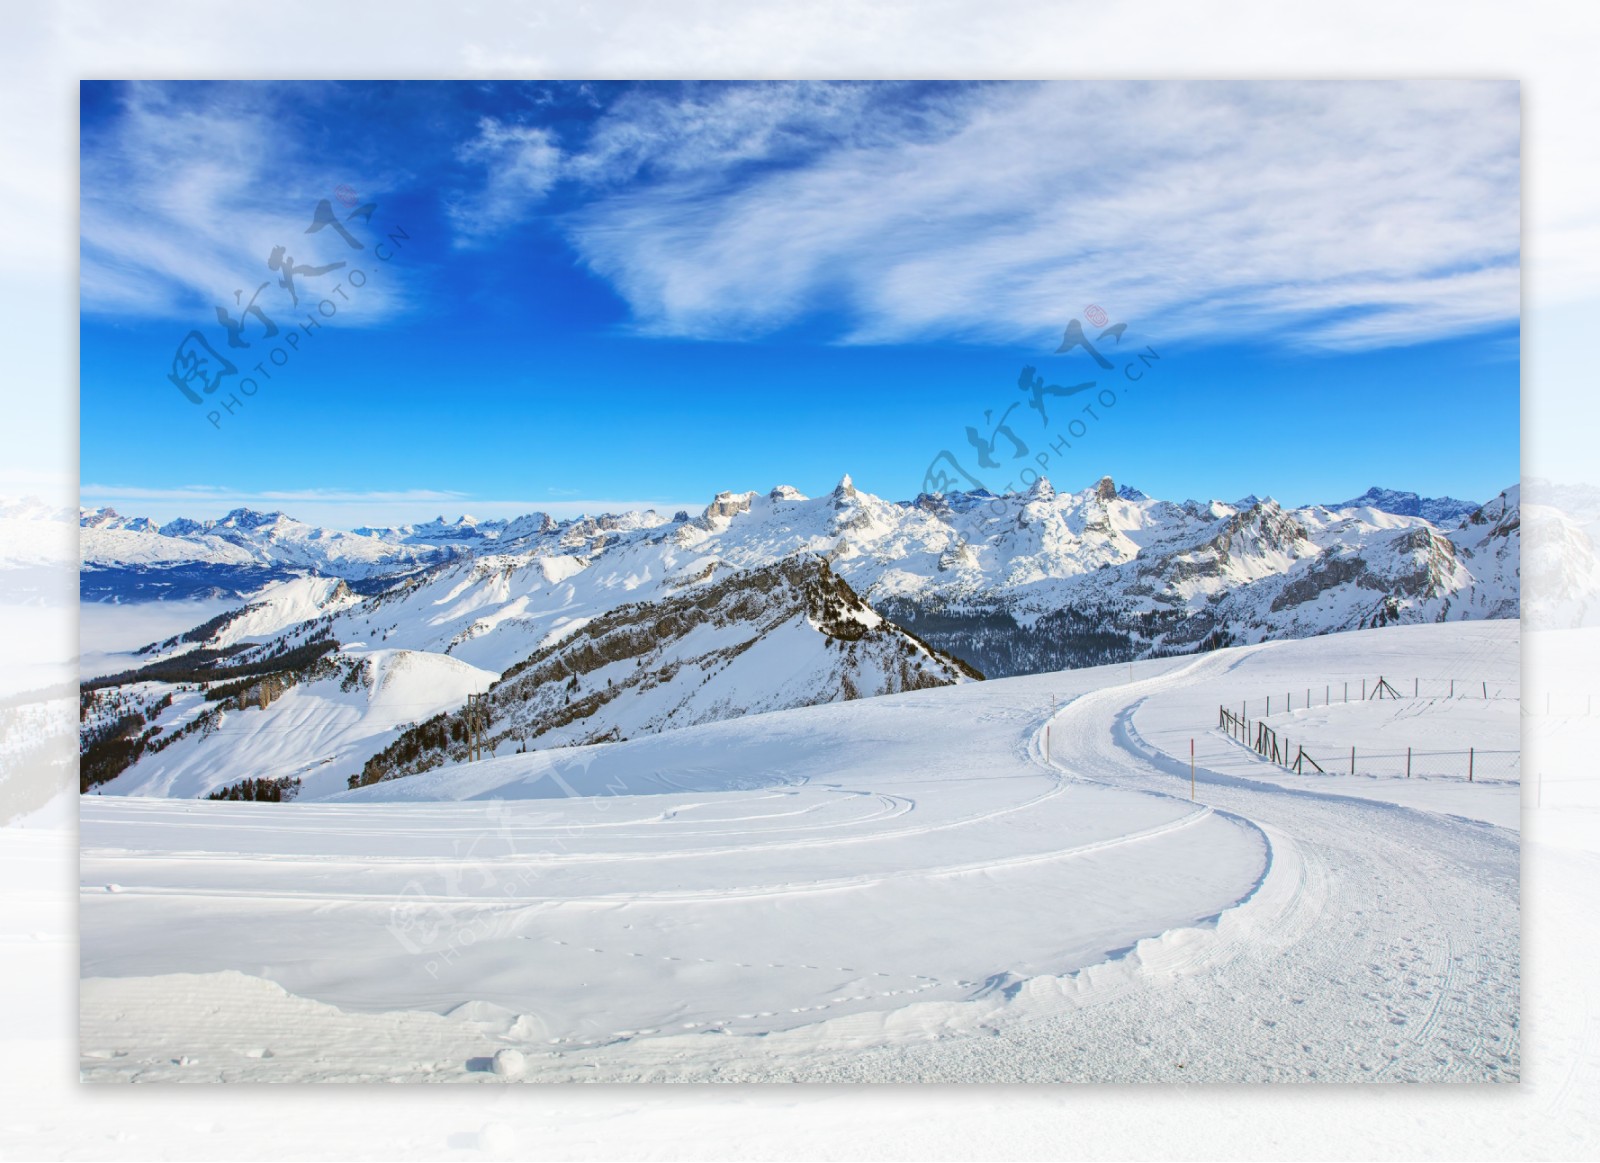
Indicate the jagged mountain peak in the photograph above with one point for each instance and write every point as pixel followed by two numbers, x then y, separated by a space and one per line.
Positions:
pixel 245 518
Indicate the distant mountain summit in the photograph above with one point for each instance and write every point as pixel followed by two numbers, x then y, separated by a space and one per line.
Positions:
pixel 1439 510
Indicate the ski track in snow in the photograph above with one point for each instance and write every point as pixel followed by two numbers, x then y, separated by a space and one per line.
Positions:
pixel 1336 938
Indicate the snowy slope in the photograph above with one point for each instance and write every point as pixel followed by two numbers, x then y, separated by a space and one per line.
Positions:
pixel 928 885
pixel 790 634
pixel 318 730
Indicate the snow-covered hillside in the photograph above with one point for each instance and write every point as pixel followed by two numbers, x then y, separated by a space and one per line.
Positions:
pixel 266 693
pixel 315 732
pixel 786 635
pixel 1004 881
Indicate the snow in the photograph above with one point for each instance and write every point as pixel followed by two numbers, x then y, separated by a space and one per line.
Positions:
pixel 892 889
pixel 1479 657
pixel 319 732
pixel 1262 571
pixel 282 605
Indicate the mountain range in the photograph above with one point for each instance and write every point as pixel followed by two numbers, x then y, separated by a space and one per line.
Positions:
pixel 1439 510
pixel 606 627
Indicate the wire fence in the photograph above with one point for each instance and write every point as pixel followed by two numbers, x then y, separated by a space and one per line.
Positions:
pixel 1472 764
pixel 1381 688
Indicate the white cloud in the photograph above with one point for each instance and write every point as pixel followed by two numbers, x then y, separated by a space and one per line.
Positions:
pixel 520 164
pixel 1338 214
pixel 186 197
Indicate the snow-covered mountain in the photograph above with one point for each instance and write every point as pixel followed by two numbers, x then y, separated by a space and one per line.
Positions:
pixel 789 634
pixel 465 532
pixel 245 699
pixel 1017 583
pixel 1439 510
pixel 131 558
pixel 303 731
pixel 615 626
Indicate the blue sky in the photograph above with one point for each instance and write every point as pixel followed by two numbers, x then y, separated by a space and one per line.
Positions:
pixel 602 296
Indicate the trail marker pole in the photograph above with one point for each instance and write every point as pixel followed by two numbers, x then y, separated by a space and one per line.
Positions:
pixel 1347 692
pixel 1191 769
pixel 1408 763
pixel 1470 757
pixel 1486 691
pixel 1352 759
pixel 1415 683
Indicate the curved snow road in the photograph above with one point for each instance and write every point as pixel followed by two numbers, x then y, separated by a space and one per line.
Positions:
pixel 1390 951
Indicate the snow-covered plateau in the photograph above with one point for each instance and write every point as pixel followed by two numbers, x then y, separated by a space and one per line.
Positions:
pixel 1020 879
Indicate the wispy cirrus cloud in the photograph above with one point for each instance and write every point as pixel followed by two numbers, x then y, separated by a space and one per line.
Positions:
pixel 1341 215
pixel 519 163
pixel 188 191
